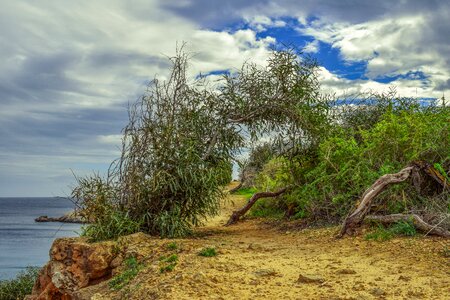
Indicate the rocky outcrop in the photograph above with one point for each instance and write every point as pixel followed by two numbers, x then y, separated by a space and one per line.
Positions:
pixel 76 266
pixel 71 217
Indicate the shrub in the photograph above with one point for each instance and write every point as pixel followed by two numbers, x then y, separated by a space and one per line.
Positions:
pixel 168 263
pixel 172 168
pixel 172 246
pixel 20 286
pixel 208 252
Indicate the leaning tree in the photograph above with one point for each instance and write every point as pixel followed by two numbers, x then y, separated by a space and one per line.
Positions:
pixel 183 133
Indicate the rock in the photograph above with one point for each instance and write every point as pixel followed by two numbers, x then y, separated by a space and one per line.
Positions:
pixel 79 270
pixel 265 272
pixel 70 217
pixel 346 271
pixel 404 278
pixel 310 278
pixel 74 264
pixel 377 292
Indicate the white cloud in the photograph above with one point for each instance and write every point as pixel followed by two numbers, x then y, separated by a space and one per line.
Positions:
pixel 312 47
pixel 70 69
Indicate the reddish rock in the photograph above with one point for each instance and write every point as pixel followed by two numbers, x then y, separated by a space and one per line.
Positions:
pixel 74 264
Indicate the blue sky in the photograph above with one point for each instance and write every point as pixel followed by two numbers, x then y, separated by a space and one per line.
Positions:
pixel 69 68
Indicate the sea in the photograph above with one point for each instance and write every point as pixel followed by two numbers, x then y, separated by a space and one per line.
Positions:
pixel 23 242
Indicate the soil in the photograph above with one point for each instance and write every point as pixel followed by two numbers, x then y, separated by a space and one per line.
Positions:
pixel 257 260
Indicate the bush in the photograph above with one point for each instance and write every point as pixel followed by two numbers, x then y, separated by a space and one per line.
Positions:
pixel 399 228
pixel 181 137
pixel 208 252
pixel 20 286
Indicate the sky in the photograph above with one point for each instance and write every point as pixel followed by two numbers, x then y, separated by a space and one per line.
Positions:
pixel 70 68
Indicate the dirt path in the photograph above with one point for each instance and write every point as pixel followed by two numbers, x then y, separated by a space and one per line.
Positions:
pixel 256 261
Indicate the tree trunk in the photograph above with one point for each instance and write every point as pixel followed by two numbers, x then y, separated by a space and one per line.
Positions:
pixel 239 213
pixel 354 219
pixel 415 219
pixel 413 170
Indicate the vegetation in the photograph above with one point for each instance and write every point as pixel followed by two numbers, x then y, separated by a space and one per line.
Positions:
pixel 208 252
pixel 172 169
pixel 383 234
pixel 132 268
pixel 172 246
pixel 168 263
pixel 20 286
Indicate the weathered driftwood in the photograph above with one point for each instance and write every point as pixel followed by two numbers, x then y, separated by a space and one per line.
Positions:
pixel 415 219
pixel 237 214
pixel 414 170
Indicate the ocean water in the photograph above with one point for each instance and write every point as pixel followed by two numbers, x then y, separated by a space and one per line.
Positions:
pixel 24 242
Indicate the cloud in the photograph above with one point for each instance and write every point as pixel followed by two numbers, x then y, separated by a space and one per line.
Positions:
pixel 69 71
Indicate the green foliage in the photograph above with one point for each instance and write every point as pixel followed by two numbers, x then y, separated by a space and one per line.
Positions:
pixel 172 246
pixel 132 268
pixel 20 286
pixel 403 228
pixel 399 228
pixel 111 225
pixel 349 161
pixel 172 168
pixel 247 192
pixel 381 234
pixel 168 263
pixel 266 208
pixel 208 252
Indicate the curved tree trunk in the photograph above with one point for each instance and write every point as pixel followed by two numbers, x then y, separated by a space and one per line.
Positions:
pixel 239 213
pixel 356 218
pixel 413 170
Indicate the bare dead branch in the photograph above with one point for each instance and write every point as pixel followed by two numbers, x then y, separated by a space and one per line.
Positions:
pixel 239 213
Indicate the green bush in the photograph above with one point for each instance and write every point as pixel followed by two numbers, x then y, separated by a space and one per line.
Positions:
pixel 401 228
pixel 111 225
pixel 208 252
pixel 168 263
pixel 20 286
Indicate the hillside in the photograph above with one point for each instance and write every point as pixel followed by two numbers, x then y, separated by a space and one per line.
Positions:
pixel 259 260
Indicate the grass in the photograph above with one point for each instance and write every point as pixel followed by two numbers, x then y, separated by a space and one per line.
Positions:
pixel 266 208
pixel 20 286
pixel 208 252
pixel 122 279
pixel 172 246
pixel 401 228
pixel 168 263
pixel 247 192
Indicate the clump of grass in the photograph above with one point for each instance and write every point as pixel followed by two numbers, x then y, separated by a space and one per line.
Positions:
pixel 122 279
pixel 112 225
pixel 208 252
pixel 172 246
pixel 266 208
pixel 400 228
pixel 380 234
pixel 20 286
pixel 445 252
pixel 168 263
pixel 247 192
pixel 403 228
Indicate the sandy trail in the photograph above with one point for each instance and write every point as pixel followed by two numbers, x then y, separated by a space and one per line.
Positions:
pixel 257 261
